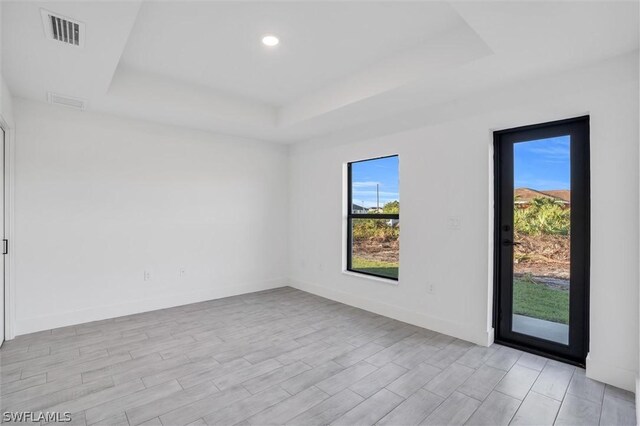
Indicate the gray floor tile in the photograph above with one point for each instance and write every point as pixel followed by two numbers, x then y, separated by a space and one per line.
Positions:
pixel 311 377
pixel 477 356
pixel 578 411
pixel 375 381
pixel 214 372
pixel 100 397
pixel 40 399
pixel 480 384
pixel 153 422
pixel 455 410
pixel 387 355
pixel 445 383
pixel 413 410
pixel 449 354
pixel 245 408
pixel 496 410
pixel 586 388
pixel 328 354
pixel 203 407
pixel 140 413
pixel 619 393
pixel 503 358
pixel 346 378
pixel 409 383
pixel 236 377
pixel 356 355
pixel 175 373
pixel 616 411
pixel 19 385
pixel 536 410
pixel 416 356
pixel 301 352
pixel 553 381
pixel 141 397
pixel 274 377
pixel 518 381
pixel 284 411
pixel 329 409
pixel 117 419
pixel 534 362
pixel 371 410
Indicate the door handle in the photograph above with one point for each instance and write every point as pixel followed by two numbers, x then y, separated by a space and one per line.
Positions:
pixel 510 243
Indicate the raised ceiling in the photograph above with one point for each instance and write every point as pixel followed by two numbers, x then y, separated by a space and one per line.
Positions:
pixel 217 45
pixel 339 64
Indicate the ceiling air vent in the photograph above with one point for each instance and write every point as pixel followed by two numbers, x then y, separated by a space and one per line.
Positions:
pixel 63 29
pixel 66 101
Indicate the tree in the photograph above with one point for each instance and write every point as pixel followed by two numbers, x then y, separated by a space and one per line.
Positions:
pixel 392 207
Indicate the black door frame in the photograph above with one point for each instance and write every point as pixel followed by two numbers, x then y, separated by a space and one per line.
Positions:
pixel 576 351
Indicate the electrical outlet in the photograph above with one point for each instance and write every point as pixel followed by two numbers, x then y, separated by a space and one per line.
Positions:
pixel 147 275
pixel 431 289
pixel 182 272
pixel 455 223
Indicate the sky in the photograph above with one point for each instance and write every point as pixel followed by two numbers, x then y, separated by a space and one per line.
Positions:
pixel 542 164
pixel 365 175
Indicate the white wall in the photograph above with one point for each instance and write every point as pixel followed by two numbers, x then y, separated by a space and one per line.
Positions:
pixel 101 199
pixel 6 102
pixel 446 170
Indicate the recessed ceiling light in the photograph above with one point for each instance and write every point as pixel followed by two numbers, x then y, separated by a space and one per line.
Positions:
pixel 270 40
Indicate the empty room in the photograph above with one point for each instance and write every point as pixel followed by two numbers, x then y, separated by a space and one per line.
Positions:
pixel 319 212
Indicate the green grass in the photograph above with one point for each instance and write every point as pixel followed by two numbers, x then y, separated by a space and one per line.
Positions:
pixel 387 269
pixel 539 301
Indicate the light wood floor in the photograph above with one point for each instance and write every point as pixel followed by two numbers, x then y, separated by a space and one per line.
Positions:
pixel 286 356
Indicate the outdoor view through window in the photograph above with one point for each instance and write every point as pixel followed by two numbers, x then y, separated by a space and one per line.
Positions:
pixel 542 229
pixel 374 217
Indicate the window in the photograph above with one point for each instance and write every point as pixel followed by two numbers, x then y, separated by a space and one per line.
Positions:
pixel 373 219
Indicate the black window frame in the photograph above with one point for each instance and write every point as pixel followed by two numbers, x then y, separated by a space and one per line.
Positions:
pixel 351 216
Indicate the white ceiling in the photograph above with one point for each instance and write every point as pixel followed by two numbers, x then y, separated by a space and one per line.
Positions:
pixel 217 45
pixel 339 64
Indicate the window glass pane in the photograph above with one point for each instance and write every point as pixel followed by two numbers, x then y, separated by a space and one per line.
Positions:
pixel 375 246
pixel 374 186
pixel 542 231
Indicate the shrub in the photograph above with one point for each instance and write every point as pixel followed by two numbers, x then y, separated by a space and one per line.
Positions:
pixel 377 229
pixel 542 216
pixel 374 229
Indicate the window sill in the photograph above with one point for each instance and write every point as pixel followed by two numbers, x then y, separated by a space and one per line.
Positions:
pixel 387 281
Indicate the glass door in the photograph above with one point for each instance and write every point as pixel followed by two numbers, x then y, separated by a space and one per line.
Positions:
pixel 542 238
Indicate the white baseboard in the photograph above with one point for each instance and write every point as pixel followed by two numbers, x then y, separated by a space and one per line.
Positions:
pixel 63 319
pixel 459 330
pixel 611 374
pixel 491 333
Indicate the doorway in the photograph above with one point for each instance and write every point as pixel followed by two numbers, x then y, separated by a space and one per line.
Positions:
pixel 542 239
pixel 3 293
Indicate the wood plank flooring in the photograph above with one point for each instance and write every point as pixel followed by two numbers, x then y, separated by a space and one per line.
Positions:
pixel 284 356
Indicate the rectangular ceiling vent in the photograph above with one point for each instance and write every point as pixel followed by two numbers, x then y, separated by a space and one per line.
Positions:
pixel 62 29
pixel 67 101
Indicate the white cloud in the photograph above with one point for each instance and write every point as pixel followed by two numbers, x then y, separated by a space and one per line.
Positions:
pixel 365 184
